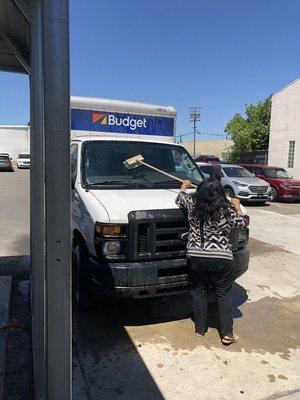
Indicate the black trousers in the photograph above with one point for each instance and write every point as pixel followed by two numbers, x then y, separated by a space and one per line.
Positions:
pixel 217 272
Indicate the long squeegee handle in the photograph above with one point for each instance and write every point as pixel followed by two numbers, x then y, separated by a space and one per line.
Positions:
pixel 243 209
pixel 165 173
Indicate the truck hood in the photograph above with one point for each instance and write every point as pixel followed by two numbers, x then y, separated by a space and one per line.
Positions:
pixel 118 203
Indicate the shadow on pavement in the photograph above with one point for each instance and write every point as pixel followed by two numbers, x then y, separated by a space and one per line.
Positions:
pixel 107 362
pixel 19 369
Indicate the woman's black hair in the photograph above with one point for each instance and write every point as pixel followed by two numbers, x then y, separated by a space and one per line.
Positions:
pixel 210 200
pixel 216 172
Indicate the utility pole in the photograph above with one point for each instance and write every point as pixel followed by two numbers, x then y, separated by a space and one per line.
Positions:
pixel 195 116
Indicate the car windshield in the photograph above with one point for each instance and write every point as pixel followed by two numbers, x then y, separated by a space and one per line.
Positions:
pixel 206 169
pixel 103 164
pixel 4 158
pixel 237 172
pixel 24 156
pixel 277 173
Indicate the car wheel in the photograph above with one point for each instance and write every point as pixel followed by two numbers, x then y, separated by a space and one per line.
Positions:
pixel 273 195
pixel 229 192
pixel 83 295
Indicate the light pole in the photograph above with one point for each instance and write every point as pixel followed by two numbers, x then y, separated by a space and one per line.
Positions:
pixel 195 116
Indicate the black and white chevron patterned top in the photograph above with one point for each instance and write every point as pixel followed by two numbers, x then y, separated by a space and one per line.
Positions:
pixel 208 239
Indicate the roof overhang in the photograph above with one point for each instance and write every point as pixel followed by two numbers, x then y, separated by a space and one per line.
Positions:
pixel 15 42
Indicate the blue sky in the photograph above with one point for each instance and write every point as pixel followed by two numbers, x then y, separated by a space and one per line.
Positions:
pixel 215 54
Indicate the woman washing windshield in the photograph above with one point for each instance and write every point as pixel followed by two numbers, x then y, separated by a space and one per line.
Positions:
pixel 211 219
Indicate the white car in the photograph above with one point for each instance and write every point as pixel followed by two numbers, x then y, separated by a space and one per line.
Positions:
pixel 240 183
pixel 23 160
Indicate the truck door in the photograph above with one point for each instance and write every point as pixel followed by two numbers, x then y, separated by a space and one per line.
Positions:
pixel 75 200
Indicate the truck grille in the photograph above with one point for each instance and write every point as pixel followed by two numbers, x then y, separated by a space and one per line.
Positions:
pixel 156 234
pixel 258 189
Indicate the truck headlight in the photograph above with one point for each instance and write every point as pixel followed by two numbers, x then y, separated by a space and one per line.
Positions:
pixel 111 248
pixel 108 229
pixel 111 241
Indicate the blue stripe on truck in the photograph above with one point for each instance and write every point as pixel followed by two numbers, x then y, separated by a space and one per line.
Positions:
pixel 113 122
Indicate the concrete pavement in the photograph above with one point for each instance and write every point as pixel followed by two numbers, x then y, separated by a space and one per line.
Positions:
pixel 14 213
pixel 148 349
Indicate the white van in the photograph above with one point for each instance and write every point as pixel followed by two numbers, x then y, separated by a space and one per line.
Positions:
pixel 128 234
pixel 23 160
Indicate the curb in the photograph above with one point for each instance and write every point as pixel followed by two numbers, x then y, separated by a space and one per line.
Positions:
pixel 5 293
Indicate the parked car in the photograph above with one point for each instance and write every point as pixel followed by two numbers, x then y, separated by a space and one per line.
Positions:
pixel 6 154
pixel 239 182
pixel 5 163
pixel 283 186
pixel 23 160
pixel 210 159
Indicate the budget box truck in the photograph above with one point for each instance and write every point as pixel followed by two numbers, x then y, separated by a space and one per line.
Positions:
pixel 128 236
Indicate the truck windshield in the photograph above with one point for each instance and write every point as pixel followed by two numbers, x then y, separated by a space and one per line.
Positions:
pixel 277 173
pixel 102 164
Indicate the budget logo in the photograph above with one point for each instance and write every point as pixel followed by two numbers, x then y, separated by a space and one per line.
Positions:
pixel 125 121
pixel 99 117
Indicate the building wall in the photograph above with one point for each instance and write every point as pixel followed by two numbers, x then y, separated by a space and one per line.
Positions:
pixel 285 126
pixel 216 147
pixel 14 140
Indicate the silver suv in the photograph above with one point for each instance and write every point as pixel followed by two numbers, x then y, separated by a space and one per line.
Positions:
pixel 239 182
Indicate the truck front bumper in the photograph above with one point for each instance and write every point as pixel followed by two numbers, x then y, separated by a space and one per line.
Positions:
pixel 152 278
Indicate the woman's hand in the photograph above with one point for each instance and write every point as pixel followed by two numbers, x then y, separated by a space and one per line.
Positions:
pixel 236 204
pixel 186 184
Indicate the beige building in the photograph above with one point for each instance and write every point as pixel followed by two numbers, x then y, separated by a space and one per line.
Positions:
pixel 217 148
pixel 14 139
pixel 284 144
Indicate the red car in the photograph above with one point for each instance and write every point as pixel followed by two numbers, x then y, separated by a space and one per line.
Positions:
pixel 283 186
pixel 208 158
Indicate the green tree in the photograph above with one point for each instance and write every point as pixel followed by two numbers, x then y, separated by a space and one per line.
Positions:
pixel 251 132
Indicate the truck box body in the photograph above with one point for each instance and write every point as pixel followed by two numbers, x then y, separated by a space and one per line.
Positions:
pixel 122 119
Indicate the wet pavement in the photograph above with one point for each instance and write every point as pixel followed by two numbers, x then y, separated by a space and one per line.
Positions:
pixel 147 348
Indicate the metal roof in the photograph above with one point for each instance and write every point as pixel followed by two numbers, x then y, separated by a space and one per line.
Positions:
pixel 15 17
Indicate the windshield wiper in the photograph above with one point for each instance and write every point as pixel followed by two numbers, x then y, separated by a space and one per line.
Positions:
pixel 172 181
pixel 118 182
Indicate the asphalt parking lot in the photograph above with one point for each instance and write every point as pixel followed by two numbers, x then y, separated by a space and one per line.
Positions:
pixel 14 213
pixel 147 348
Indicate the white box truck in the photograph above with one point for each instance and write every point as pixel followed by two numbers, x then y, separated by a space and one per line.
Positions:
pixel 128 234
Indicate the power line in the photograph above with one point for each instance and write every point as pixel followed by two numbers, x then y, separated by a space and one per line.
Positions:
pixel 211 134
pixel 195 116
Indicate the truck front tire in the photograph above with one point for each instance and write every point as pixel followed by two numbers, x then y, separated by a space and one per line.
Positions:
pixel 83 293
